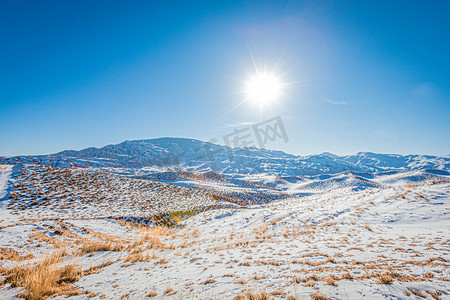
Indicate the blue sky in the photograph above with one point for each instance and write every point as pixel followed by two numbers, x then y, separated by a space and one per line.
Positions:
pixel 364 75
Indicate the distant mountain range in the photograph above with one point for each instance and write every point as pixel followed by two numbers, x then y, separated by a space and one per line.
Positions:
pixel 195 155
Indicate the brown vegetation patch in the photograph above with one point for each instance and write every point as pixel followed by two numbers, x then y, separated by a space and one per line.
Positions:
pixel 9 254
pixel 44 279
pixel 93 246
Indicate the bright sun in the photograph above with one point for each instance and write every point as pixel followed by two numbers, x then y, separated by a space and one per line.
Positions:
pixel 263 88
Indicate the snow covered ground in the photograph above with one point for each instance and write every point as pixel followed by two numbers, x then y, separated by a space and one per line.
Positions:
pixel 354 237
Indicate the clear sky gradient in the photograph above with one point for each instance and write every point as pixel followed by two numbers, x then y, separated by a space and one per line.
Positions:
pixel 363 75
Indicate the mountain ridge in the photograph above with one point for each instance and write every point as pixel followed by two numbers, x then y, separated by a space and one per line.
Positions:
pixel 196 155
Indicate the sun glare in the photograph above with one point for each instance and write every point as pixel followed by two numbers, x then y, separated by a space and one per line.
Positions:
pixel 263 88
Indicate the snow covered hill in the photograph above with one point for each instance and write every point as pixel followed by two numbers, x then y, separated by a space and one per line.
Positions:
pixel 180 218
pixel 198 156
pixel 386 241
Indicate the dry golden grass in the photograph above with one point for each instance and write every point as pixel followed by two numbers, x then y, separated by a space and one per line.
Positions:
pixel 70 273
pixel 417 293
pixel 169 291
pixel 256 277
pixel 347 276
pixel 385 279
pixel 250 296
pixel 367 227
pixel 331 260
pixel 138 257
pixel 162 261
pixel 44 279
pixel 155 230
pixel 152 294
pixel 42 237
pixel 208 281
pixel 330 281
pixel 96 269
pixel 94 246
pixel 102 236
pixel 276 293
pixel 260 230
pixel 267 263
pixel 9 254
pixel 435 295
pixel 64 230
pixel 317 296
pixel 241 281
pixel 154 241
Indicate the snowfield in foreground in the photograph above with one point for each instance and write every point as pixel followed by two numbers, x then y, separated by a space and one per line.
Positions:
pixel 389 240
